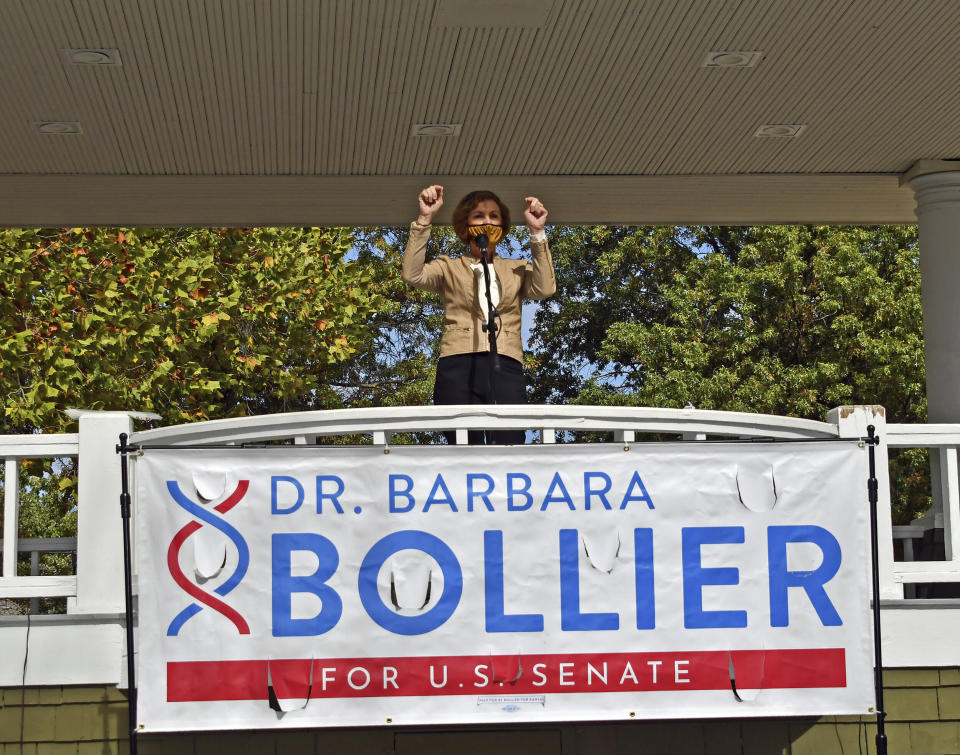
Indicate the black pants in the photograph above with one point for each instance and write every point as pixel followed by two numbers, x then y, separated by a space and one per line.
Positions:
pixel 465 379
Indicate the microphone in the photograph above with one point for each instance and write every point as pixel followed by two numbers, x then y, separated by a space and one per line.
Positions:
pixel 483 242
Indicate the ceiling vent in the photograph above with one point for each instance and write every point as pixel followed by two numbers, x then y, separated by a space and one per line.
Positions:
pixel 732 59
pixel 91 56
pixel 436 129
pixel 780 130
pixel 58 128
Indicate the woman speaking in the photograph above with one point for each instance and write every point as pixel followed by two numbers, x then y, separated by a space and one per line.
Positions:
pixel 466 363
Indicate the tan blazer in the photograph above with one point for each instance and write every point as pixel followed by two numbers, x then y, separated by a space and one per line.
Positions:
pixel 454 280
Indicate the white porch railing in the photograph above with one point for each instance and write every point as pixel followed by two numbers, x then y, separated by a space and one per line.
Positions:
pixel 943 441
pixel 13 448
pixel 96 590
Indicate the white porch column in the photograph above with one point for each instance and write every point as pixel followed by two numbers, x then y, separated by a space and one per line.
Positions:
pixel 852 422
pixel 936 185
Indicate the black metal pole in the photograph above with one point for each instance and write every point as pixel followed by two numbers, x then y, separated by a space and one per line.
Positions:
pixel 873 441
pixel 123 449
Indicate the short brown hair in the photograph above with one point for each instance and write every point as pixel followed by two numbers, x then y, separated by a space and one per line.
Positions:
pixel 465 206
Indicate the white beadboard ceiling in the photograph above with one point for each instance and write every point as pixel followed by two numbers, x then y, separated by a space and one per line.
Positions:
pixel 301 111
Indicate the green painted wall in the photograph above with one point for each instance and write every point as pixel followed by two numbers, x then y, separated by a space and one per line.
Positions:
pixel 923 718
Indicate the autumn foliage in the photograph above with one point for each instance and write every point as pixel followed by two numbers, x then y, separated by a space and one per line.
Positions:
pixel 191 324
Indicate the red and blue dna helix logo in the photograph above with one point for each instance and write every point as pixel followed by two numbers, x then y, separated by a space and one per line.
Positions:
pixel 173 558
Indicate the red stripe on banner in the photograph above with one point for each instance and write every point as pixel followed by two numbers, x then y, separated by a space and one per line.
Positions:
pixel 224 506
pixel 192 681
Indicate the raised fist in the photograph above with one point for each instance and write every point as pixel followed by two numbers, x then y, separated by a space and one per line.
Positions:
pixel 535 214
pixel 431 200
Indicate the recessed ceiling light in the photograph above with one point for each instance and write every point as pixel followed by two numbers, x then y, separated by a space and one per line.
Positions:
pixel 436 129
pixel 732 59
pixel 91 56
pixel 780 130
pixel 58 128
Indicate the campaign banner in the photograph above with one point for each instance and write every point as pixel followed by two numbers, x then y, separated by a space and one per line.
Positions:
pixel 299 586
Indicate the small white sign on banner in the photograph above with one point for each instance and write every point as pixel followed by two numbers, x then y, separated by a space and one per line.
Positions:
pixel 305 587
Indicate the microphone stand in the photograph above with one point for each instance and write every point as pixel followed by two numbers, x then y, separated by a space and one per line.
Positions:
pixel 490 326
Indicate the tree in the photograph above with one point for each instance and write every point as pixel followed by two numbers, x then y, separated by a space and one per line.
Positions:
pixel 788 320
pixel 206 323
pixel 395 362
pixel 190 324
pixel 605 275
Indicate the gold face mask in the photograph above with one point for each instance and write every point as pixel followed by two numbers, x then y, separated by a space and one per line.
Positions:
pixel 493 232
